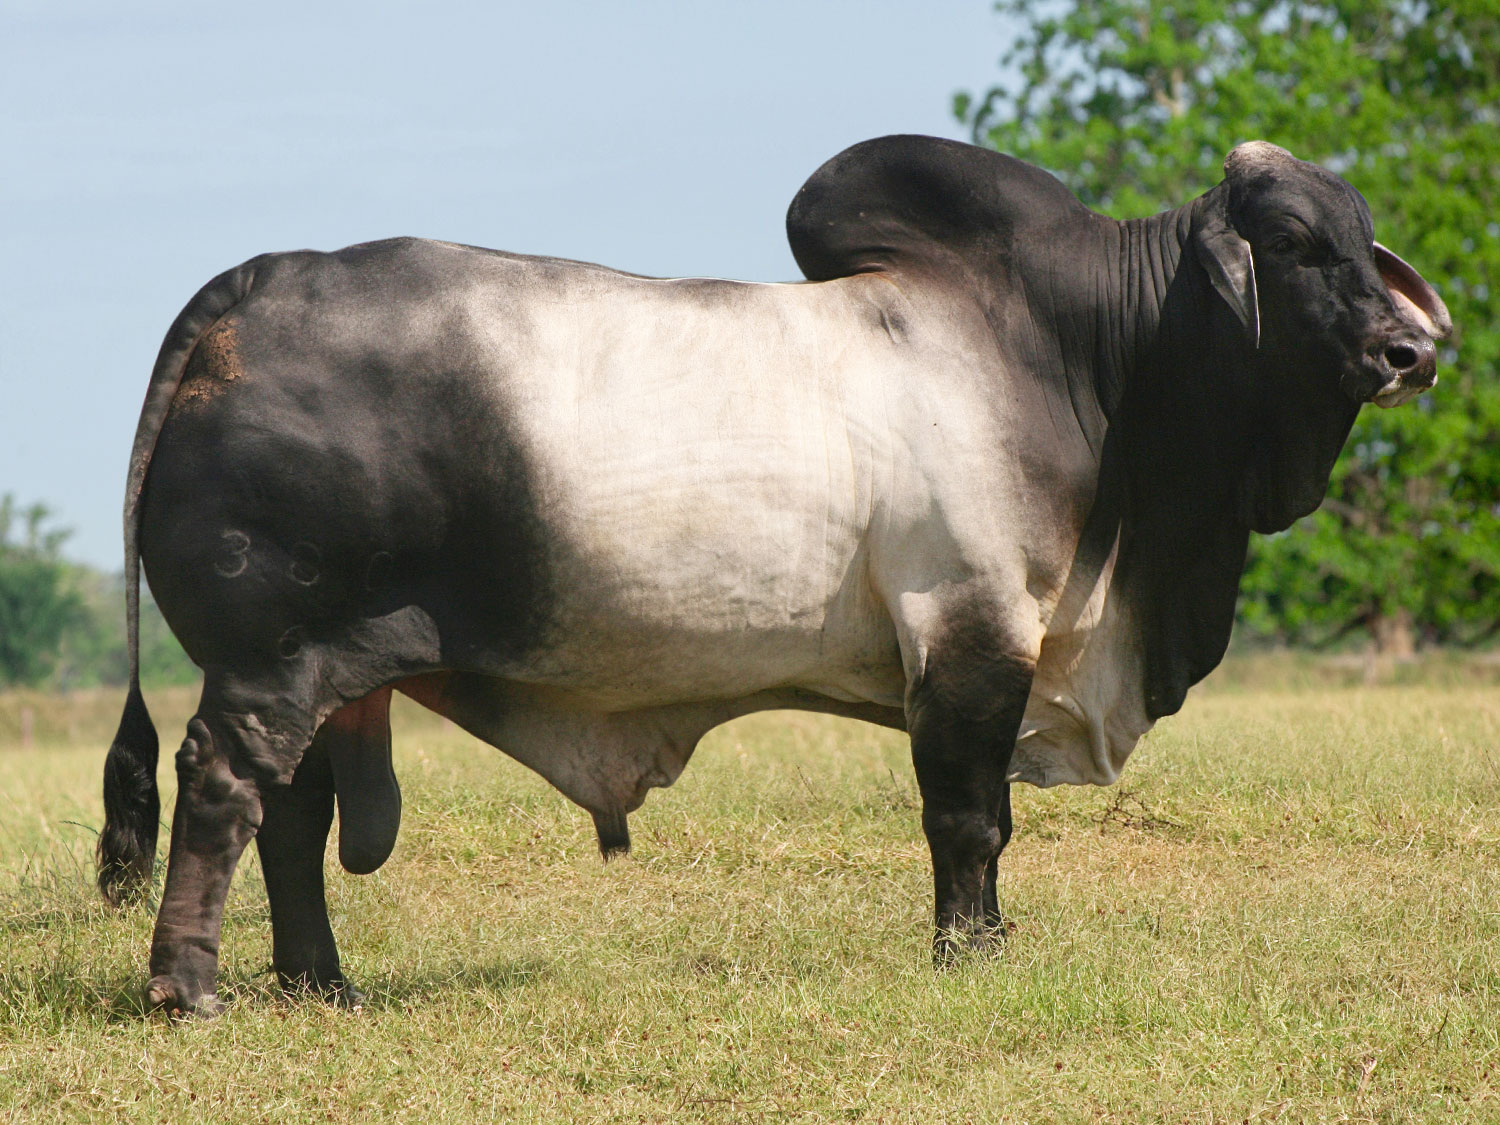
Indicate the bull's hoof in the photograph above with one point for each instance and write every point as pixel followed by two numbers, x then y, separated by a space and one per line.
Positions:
pixel 952 946
pixel 345 995
pixel 337 993
pixel 165 995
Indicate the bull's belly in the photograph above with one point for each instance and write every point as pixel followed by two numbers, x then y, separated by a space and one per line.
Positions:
pixel 661 591
pixel 618 645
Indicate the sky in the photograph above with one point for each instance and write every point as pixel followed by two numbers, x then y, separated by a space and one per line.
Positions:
pixel 145 147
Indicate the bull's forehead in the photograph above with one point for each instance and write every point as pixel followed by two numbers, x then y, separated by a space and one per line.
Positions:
pixel 1268 183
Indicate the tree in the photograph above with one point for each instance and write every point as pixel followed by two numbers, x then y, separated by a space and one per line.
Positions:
pixel 36 604
pixel 92 650
pixel 62 624
pixel 1134 103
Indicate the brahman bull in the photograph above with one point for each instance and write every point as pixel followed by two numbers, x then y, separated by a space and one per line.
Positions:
pixel 987 476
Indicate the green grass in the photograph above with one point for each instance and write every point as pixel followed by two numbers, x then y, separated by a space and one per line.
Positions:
pixel 1287 911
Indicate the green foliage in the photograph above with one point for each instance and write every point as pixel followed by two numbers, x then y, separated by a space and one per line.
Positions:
pixel 93 651
pixel 62 625
pixel 1134 103
pixel 37 605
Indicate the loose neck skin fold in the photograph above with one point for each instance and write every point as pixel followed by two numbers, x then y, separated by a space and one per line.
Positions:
pixel 1207 438
pixel 1142 259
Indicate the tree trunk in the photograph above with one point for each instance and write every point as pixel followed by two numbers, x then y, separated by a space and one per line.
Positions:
pixel 1394 635
pixel 1393 640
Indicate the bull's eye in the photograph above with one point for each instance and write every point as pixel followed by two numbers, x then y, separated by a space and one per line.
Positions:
pixel 1282 244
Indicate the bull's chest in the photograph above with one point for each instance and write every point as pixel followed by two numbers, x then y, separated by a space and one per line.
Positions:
pixel 1086 710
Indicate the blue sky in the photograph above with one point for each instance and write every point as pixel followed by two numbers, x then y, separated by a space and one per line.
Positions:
pixel 147 146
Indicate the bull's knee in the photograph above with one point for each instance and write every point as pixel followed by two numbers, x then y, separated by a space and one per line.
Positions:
pixel 968 837
pixel 226 807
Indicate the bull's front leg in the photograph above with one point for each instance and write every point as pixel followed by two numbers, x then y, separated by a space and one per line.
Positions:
pixel 964 712
pixel 992 916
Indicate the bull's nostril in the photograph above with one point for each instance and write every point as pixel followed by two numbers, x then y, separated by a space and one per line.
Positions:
pixel 1401 357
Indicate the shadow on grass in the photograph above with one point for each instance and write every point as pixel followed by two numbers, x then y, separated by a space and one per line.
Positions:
pixel 72 994
pixel 385 991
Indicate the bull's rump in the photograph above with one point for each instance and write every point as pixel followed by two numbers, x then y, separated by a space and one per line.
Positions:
pixel 641 490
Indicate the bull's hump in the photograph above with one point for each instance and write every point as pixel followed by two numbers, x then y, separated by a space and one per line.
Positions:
pixel 913 202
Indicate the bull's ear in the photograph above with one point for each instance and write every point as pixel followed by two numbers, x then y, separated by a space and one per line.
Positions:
pixel 1231 267
pixel 1412 295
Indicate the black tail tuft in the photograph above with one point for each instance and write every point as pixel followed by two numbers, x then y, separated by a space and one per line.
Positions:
pixel 127 843
pixel 614 834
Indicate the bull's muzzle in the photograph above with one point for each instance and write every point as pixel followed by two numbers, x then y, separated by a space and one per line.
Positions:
pixel 1405 365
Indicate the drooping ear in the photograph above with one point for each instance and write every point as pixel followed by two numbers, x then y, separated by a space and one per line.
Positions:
pixel 1230 265
pixel 1412 295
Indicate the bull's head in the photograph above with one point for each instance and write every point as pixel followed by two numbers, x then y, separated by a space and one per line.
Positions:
pixel 1291 248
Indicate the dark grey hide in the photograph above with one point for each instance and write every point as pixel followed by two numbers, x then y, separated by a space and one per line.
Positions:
pixel 988 477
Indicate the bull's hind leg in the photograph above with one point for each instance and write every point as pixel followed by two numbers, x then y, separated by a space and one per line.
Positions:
pixel 238 778
pixel 218 810
pixel 293 836
pixel 350 756
pixel 237 750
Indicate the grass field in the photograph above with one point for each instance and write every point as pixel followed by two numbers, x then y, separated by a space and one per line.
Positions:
pixel 1288 911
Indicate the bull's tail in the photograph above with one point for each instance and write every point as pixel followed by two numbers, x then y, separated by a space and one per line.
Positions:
pixel 127 842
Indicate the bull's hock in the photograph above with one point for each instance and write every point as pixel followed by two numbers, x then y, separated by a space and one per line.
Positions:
pixel 987 476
